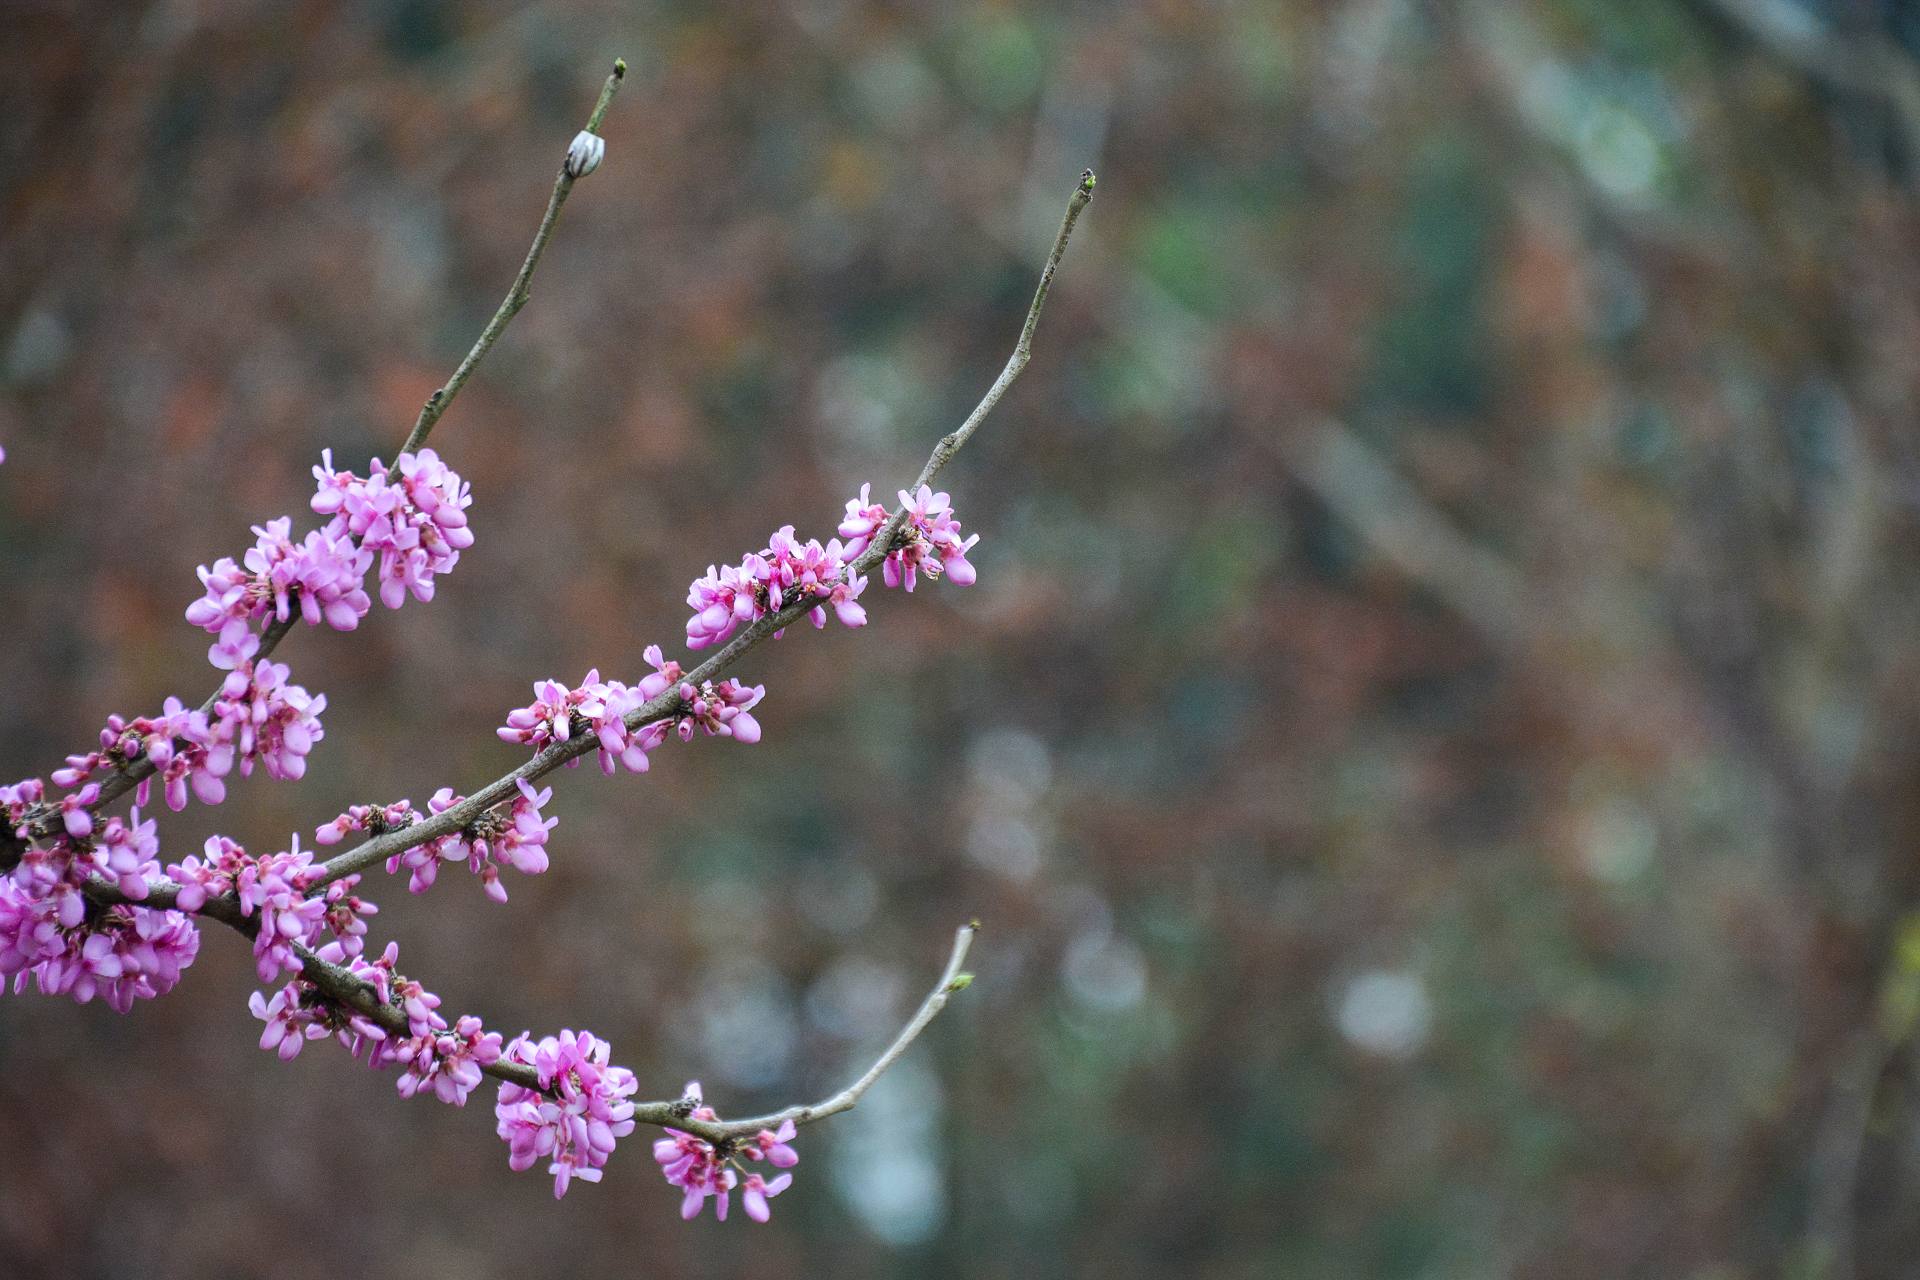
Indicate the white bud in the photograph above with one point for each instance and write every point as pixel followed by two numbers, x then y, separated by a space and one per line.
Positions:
pixel 586 153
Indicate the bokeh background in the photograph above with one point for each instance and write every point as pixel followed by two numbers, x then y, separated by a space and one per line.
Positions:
pixel 1433 744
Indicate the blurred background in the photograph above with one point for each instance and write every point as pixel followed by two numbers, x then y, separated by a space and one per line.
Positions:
pixel 1433 744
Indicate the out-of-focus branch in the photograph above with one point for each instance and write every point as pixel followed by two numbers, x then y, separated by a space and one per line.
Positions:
pixel 1393 516
pixel 124 780
pixel 1870 66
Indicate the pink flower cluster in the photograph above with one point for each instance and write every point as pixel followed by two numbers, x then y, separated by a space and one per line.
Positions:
pixel 700 1171
pixel 518 839
pixel 767 581
pixel 596 706
pixel 416 527
pixel 274 889
pixel 574 1123
pixel 928 542
pixel 326 572
pixel 372 818
pixel 184 746
pixel 721 710
pixel 258 716
pixel 447 1062
pixel 70 946
pixel 600 707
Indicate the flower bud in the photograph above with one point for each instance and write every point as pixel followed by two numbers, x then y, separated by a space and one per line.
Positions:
pixel 586 153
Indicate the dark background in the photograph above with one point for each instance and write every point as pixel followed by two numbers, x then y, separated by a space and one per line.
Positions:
pixel 1433 744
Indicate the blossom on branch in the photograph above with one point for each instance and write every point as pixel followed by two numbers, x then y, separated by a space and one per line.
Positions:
pixel 50 932
pixel 702 1170
pixel 765 582
pixel 574 1118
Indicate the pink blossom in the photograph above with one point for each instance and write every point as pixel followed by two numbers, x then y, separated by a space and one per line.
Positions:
pixel 326 571
pixel 928 542
pixel 720 710
pixel 423 860
pixel 126 851
pixel 784 572
pixel 74 813
pixel 373 819
pixel 771 1145
pixel 291 1021
pixel 209 877
pixel 450 1062
pixel 17 800
pixel 755 1193
pixel 865 518
pixel 695 1166
pixel 121 953
pixel 596 706
pixel 273 888
pixel 345 914
pixel 519 840
pixel 182 746
pixel 574 1118
pixel 417 526
pixel 260 716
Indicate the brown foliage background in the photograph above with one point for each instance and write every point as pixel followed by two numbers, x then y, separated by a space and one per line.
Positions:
pixel 1433 743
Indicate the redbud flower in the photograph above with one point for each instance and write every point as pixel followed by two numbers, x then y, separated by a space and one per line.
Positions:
pixel 721 710
pixel 275 887
pixel 127 852
pixel 693 1165
pixel 423 860
pixel 767 581
pixel 291 1022
pixel 598 706
pixel 519 841
pixel 345 914
pixel 771 1145
pixel 575 1122
pixel 417 525
pixel 17 799
pixel 119 953
pixel 929 542
pixel 376 819
pixel 864 519
pixel 755 1193
pixel 259 716
pixel 449 1062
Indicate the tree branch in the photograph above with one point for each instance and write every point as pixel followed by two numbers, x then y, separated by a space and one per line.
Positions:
pixel 377 850
pixel 340 986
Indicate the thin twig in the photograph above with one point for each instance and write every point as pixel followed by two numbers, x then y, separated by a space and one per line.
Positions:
pixel 1870 65
pixel 517 296
pixel 952 979
pixel 124 780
